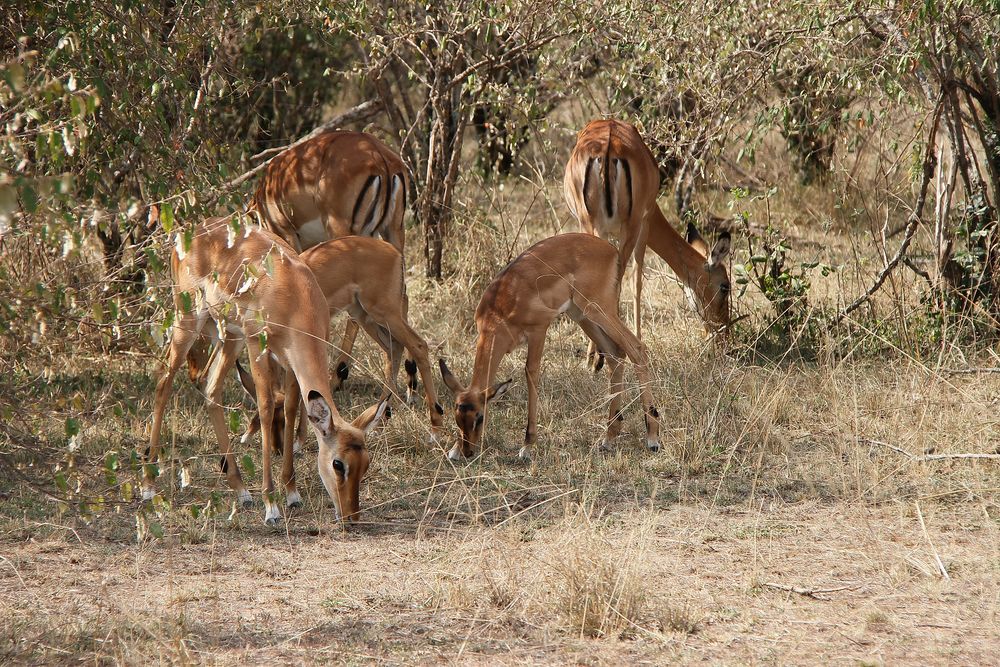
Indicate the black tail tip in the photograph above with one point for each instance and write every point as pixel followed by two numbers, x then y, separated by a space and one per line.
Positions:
pixel 343 370
pixel 600 362
pixel 411 366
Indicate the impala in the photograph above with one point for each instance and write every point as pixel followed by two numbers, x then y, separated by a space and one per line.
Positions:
pixel 246 286
pixel 610 186
pixel 338 183
pixel 576 274
pixel 364 277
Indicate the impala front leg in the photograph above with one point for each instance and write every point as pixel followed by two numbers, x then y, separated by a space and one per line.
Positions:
pixel 217 373
pixel 532 370
pixel 184 336
pixel 292 399
pixel 261 367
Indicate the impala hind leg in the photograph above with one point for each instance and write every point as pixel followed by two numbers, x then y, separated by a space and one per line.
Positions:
pixel 262 369
pixel 185 333
pixel 611 351
pixel 640 262
pixel 633 348
pixel 223 362
pixel 343 367
pixel 401 332
pixel 393 350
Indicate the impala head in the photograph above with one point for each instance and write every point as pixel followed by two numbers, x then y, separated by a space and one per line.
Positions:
pixel 343 458
pixel 470 410
pixel 711 296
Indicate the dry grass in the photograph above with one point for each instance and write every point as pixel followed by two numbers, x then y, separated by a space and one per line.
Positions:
pixel 779 468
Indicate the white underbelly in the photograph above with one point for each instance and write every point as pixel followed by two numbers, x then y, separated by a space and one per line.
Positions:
pixel 312 233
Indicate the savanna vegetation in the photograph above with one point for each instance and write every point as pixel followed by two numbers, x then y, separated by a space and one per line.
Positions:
pixel 828 486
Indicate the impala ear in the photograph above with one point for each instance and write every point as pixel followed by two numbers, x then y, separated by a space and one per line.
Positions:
pixel 450 380
pixel 695 240
pixel 246 380
pixel 720 250
pixel 319 413
pixel 371 418
pixel 498 390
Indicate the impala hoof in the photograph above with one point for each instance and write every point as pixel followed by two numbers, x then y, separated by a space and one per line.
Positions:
pixel 524 454
pixel 606 447
pixel 272 517
pixel 293 501
pixel 652 445
pixel 245 499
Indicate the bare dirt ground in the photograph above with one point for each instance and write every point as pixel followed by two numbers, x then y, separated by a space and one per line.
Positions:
pixel 716 584
pixel 789 518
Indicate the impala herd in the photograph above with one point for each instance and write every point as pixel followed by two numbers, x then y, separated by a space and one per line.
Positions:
pixel 271 280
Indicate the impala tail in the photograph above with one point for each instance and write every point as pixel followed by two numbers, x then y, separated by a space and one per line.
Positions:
pixel 381 198
pixel 607 190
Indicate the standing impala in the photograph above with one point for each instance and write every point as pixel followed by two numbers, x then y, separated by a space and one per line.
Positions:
pixel 610 186
pixel 576 274
pixel 338 183
pixel 247 286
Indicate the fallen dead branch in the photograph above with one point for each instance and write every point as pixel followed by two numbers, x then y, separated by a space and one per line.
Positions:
pixel 969 371
pixel 815 593
pixel 930 457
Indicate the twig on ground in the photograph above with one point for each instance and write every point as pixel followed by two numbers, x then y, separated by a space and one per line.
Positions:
pixel 815 593
pixel 937 558
pixel 970 371
pixel 931 457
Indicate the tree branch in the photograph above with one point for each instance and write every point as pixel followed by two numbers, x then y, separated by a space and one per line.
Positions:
pixel 362 111
pixel 930 161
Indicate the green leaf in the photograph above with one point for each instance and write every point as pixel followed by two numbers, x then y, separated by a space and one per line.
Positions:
pixel 29 199
pixel 234 421
pixel 186 301
pixel 248 466
pixel 167 217
pixel 72 427
pixel 156 529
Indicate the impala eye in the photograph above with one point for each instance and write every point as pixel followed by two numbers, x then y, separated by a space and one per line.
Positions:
pixel 479 420
pixel 338 467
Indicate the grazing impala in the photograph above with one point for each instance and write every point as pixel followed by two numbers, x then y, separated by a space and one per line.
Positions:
pixel 610 186
pixel 364 277
pixel 244 285
pixel 336 184
pixel 576 274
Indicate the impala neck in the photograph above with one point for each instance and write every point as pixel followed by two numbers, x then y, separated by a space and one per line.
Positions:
pixel 307 359
pixel 663 239
pixel 491 347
